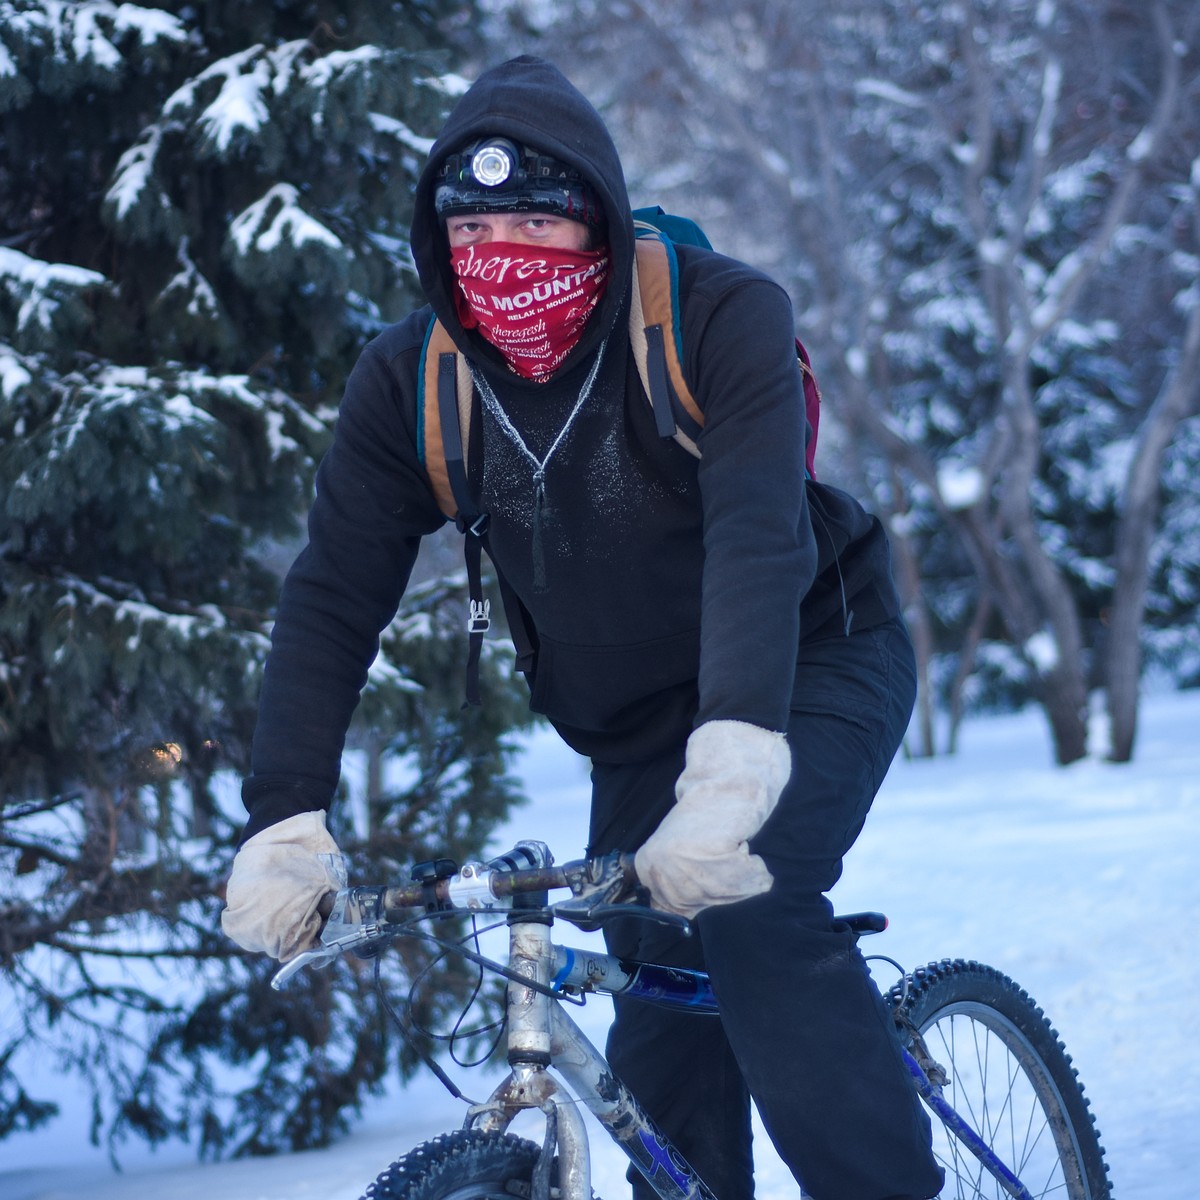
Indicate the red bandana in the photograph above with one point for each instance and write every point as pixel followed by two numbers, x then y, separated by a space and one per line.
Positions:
pixel 531 303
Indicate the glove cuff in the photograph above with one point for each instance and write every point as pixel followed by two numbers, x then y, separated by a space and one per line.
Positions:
pixel 306 829
pixel 724 752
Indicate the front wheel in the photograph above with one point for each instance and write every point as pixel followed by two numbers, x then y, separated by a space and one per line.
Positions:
pixel 1009 1076
pixel 465 1165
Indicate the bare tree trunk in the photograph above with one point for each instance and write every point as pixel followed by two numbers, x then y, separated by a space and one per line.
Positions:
pixel 966 666
pixel 916 616
pixel 1136 525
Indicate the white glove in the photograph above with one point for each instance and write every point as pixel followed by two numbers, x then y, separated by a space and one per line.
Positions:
pixel 279 877
pixel 732 778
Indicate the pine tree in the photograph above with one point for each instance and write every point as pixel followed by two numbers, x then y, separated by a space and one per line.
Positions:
pixel 202 220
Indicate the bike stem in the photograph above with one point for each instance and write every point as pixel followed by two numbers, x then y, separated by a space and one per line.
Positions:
pixel 529 1083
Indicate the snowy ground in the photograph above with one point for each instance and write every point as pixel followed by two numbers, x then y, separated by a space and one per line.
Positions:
pixel 1080 883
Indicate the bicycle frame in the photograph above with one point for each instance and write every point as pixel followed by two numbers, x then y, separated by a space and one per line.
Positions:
pixel 542 1036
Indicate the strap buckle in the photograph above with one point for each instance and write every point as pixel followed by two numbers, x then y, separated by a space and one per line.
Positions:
pixel 478 526
pixel 480 618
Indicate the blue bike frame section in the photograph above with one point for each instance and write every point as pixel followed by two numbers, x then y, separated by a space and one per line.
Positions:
pixel 672 987
pixel 668 987
pixel 932 1095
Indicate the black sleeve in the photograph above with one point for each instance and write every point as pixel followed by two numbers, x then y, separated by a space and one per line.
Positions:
pixel 372 506
pixel 760 554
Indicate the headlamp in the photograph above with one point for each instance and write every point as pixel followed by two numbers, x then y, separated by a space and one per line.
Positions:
pixel 494 163
pixel 496 174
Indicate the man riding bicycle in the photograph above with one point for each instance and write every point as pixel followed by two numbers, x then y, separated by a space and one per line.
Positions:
pixel 720 636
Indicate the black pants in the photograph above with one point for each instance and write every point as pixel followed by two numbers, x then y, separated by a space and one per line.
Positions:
pixel 802 1027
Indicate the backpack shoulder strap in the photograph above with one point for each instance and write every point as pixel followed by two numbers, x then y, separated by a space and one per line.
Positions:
pixel 656 338
pixel 657 342
pixel 445 400
pixel 445 408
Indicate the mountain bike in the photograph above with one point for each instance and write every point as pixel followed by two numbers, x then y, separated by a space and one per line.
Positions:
pixel 1011 1118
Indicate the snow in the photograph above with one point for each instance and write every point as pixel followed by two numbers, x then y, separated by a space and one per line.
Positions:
pixel 238 104
pixel 450 84
pixel 1142 146
pixel 13 375
pixel 993 251
pixel 321 73
pixel 251 227
pixel 134 168
pixel 202 300
pixel 1078 882
pixel 1051 87
pixel 960 485
pixel 38 280
pixel 1063 275
pixel 881 89
pixel 1042 651
pixel 151 24
pixel 88 43
pixel 1076 182
pixel 382 123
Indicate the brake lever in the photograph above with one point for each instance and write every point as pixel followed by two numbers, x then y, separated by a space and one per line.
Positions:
pixel 597 915
pixel 607 887
pixel 306 958
pixel 355 923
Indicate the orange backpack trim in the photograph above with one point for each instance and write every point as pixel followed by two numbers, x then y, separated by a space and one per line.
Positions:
pixel 443 366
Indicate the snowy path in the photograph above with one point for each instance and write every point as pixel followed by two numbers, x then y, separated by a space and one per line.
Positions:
pixel 1080 883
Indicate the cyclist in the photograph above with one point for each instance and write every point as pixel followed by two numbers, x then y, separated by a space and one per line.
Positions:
pixel 721 638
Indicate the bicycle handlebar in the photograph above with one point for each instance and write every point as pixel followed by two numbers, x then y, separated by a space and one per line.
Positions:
pixel 480 887
pixel 361 919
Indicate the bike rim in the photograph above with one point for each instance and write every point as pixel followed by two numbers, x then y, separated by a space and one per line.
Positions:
pixel 999 1085
pixel 481 1189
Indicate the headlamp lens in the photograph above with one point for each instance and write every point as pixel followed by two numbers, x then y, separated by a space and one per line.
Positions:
pixel 493 164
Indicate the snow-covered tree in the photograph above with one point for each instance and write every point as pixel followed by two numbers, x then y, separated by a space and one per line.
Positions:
pixel 203 215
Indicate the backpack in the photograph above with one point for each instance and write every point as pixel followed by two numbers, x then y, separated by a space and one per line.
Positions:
pixel 446 407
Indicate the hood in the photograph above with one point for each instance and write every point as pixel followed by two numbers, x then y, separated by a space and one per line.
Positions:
pixel 528 100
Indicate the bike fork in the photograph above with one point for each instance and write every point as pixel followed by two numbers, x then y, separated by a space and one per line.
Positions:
pixel 931 1093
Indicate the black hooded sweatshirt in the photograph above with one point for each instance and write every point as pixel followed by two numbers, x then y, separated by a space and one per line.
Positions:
pixel 663 591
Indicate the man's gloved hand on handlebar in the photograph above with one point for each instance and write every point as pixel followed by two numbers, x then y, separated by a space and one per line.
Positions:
pixel 279 878
pixel 698 856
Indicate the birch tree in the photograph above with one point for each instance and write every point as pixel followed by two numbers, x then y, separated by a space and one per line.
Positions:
pixel 967 202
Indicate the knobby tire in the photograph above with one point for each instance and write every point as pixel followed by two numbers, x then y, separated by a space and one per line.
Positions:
pixel 1009 1075
pixel 464 1165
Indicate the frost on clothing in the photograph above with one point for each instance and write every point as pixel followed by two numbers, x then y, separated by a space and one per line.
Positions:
pixel 661 592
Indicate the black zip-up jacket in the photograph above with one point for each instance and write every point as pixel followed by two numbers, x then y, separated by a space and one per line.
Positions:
pixel 664 591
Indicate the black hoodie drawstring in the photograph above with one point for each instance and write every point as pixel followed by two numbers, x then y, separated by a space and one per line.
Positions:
pixel 539 548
